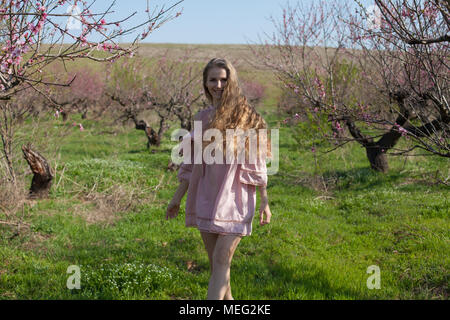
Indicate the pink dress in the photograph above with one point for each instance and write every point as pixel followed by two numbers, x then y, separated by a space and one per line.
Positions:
pixel 221 198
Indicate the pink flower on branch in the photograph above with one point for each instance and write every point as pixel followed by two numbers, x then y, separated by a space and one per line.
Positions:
pixel 320 88
pixel 401 130
pixel 26 22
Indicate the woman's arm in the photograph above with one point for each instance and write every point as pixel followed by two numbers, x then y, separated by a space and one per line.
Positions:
pixel 174 205
pixel 181 191
pixel 264 210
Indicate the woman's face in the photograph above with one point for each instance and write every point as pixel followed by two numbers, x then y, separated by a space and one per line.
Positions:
pixel 216 82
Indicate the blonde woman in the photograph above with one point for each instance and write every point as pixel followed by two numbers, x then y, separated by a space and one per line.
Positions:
pixel 221 198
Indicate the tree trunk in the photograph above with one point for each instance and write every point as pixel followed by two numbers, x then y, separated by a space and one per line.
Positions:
pixel 162 129
pixel 43 175
pixel 377 158
pixel 186 124
pixel 152 137
pixel 375 151
pixel 65 115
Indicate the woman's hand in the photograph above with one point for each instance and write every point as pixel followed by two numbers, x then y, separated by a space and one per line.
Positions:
pixel 174 205
pixel 172 210
pixel 264 211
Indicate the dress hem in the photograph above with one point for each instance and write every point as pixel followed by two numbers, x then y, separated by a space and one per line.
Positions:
pixel 218 227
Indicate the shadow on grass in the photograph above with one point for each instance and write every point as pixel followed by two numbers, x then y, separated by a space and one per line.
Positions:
pixel 137 151
pixel 280 282
pixel 358 179
pixel 151 151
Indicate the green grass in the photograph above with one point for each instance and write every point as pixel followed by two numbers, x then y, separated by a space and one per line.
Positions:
pixel 333 217
pixel 319 245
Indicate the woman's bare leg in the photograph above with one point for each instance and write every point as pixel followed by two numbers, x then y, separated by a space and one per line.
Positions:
pixel 209 240
pixel 219 284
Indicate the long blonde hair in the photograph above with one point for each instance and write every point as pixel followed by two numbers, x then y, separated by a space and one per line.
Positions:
pixel 234 111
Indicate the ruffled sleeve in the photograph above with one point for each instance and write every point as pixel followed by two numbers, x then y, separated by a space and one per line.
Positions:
pixel 254 174
pixel 184 173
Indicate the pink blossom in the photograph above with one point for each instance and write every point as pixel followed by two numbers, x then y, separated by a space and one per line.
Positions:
pixel 81 127
pixel 320 87
pixel 83 41
pixel 33 28
pixel 106 46
pixel 4 67
pixel 17 60
pixel 402 130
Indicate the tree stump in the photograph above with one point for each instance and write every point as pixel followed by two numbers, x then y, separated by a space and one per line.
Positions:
pixel 152 136
pixel 65 115
pixel 43 175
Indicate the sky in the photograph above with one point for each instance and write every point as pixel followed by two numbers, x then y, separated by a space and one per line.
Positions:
pixel 204 21
pixel 210 21
pixel 220 22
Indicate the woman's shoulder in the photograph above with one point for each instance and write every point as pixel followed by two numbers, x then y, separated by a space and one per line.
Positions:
pixel 204 112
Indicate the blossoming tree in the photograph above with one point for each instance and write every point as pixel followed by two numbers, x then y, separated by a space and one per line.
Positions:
pixel 378 75
pixel 166 87
pixel 35 34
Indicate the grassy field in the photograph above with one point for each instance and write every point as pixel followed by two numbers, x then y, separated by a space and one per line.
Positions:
pixel 333 217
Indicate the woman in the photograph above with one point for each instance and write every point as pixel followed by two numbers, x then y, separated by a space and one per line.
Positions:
pixel 222 197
